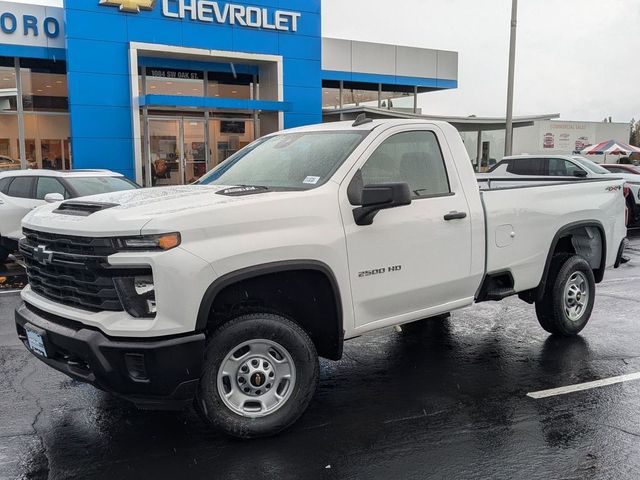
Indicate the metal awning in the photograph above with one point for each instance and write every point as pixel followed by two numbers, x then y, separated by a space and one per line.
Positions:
pixel 462 124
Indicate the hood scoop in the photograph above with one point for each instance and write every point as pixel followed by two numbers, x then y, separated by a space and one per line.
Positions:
pixel 82 209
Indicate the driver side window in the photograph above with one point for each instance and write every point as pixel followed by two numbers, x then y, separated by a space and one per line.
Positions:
pixel 411 157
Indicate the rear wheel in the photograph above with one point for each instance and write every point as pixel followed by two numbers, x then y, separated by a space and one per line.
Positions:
pixel 568 300
pixel 260 373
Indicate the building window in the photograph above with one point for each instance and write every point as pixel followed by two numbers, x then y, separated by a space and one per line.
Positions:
pixel 9 141
pixel 47 141
pixel 330 94
pixel 394 97
pixel 227 85
pixel 8 86
pixel 359 94
pixel 44 85
pixel 167 81
pixel 42 95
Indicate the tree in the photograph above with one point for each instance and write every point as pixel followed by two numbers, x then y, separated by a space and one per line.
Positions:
pixel 634 139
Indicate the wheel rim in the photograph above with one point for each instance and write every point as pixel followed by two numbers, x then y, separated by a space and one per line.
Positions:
pixel 256 378
pixel 576 296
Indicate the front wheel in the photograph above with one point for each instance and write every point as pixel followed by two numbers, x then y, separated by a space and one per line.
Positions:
pixel 260 373
pixel 568 300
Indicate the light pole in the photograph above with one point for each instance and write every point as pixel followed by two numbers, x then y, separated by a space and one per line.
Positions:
pixel 508 142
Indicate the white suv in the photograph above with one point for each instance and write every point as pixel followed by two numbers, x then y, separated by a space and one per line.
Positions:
pixel 24 190
pixel 560 166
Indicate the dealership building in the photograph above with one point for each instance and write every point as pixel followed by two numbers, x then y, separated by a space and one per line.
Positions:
pixel 164 90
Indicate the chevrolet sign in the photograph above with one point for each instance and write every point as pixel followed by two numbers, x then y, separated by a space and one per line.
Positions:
pixel 209 11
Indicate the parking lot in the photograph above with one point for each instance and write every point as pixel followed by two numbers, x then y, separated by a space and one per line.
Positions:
pixel 447 401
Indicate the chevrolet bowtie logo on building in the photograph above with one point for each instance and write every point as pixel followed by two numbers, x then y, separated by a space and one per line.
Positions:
pixel 133 6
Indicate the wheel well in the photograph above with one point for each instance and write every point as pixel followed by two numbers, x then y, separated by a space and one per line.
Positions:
pixel 587 240
pixel 308 297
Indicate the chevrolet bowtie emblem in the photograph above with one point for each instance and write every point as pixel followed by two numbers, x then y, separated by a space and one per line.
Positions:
pixel 42 255
pixel 133 6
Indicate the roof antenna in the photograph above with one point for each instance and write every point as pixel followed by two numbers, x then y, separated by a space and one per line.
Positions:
pixel 361 120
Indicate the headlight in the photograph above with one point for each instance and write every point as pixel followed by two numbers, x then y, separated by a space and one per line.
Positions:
pixel 149 242
pixel 137 295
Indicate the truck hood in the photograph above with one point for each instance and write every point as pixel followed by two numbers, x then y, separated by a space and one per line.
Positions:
pixel 127 212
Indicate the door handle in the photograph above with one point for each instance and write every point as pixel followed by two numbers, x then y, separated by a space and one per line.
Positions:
pixel 455 216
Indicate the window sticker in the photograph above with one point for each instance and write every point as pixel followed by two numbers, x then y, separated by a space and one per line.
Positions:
pixel 311 180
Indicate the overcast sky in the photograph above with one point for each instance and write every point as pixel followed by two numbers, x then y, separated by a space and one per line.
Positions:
pixel 579 58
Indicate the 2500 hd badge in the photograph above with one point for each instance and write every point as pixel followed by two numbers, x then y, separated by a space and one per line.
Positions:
pixel 378 271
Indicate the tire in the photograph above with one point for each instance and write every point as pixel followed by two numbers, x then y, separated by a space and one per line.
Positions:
pixel 563 309
pixel 264 344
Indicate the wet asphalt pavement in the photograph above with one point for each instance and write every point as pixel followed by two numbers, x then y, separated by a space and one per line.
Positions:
pixel 446 401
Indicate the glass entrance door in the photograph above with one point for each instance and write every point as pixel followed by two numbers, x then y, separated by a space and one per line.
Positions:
pixel 194 149
pixel 183 148
pixel 164 143
pixel 178 149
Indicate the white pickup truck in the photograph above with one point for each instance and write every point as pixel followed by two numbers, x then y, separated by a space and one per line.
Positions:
pixel 227 291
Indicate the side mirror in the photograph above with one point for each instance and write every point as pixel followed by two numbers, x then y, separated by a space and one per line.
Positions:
pixel 378 197
pixel 579 173
pixel 53 197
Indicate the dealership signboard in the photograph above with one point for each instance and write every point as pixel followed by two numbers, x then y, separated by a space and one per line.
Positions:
pixel 31 25
pixel 566 137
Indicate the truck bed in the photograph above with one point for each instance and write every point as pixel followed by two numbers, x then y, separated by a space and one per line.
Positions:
pixel 523 217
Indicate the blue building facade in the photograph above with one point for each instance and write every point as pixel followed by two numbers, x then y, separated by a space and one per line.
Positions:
pixel 164 90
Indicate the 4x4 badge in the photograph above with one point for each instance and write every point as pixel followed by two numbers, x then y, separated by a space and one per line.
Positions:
pixel 133 6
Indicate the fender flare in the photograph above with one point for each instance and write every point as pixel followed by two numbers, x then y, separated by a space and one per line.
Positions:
pixel 264 269
pixel 598 274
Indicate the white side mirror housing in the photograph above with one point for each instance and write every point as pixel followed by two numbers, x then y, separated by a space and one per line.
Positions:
pixel 53 197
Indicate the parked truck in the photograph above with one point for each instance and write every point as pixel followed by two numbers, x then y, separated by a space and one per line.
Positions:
pixel 224 293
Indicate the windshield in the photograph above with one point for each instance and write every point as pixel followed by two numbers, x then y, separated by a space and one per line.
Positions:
pixel 291 161
pixel 591 165
pixel 84 186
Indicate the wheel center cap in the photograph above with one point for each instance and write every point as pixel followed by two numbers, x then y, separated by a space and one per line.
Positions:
pixel 258 379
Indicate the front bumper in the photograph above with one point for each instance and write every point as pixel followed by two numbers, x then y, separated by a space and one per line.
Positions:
pixel 158 373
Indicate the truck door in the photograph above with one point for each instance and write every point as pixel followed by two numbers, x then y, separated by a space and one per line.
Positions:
pixel 414 260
